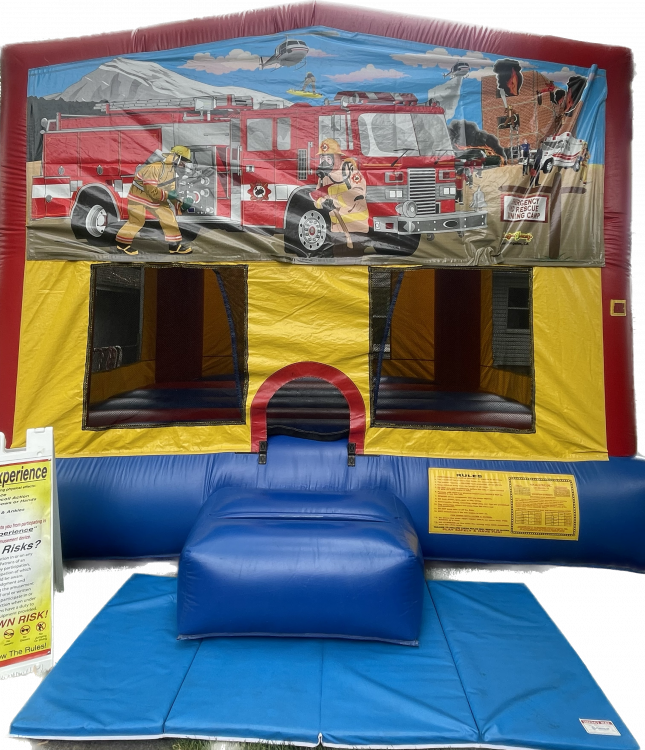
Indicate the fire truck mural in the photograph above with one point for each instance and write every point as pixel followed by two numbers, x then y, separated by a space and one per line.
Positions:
pixel 317 147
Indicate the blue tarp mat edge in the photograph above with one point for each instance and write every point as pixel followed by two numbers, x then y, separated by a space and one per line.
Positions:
pixel 128 677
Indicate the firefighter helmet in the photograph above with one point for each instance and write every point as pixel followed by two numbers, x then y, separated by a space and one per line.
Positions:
pixel 330 146
pixel 182 151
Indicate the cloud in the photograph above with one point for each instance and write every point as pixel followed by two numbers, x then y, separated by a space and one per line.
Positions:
pixel 440 57
pixel 368 73
pixel 237 59
pixel 560 76
pixel 318 53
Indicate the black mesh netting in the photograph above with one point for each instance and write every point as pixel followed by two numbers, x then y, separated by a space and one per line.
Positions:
pixel 147 352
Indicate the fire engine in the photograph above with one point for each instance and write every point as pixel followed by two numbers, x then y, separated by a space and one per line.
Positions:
pixel 562 151
pixel 254 167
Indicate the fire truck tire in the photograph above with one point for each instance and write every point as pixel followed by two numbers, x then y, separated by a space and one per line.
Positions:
pixel 94 219
pixel 393 244
pixel 548 166
pixel 307 230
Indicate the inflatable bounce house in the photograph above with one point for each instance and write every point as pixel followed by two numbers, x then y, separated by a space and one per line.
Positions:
pixel 309 295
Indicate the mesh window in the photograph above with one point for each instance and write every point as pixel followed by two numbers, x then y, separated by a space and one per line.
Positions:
pixel 118 296
pixel 451 349
pixel 167 345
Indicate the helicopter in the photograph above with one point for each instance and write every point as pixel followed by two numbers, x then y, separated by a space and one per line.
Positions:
pixel 288 54
pixel 458 70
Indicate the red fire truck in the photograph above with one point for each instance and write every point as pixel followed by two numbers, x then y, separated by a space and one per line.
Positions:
pixel 254 168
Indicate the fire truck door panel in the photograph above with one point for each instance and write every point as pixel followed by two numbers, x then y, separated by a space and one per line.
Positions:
pixel 258 171
pixel 136 146
pixel 57 196
pixel 99 155
pixel 60 155
pixel 199 182
pixel 202 133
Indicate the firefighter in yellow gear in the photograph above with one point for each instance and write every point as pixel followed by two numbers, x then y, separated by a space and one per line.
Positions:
pixel 341 190
pixel 153 188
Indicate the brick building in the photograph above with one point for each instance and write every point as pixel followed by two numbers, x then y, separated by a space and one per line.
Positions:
pixel 535 120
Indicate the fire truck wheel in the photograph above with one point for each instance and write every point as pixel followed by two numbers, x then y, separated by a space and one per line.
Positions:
pixel 394 244
pixel 94 220
pixel 307 231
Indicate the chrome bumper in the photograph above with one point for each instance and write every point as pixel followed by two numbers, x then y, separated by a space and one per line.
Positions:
pixel 459 221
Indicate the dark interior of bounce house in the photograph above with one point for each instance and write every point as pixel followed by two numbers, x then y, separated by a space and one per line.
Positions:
pixel 304 432
pixel 169 345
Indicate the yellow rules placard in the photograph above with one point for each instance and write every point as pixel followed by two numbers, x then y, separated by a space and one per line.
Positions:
pixel 499 503
pixel 25 561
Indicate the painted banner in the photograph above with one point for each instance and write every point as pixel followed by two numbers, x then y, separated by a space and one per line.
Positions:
pixel 321 146
pixel 26 491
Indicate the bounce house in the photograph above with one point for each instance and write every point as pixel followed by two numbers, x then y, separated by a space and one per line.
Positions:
pixel 309 295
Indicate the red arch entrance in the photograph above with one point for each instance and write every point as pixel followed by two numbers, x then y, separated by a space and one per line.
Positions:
pixel 308 370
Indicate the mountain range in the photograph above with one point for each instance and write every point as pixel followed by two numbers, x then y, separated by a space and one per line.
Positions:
pixel 123 79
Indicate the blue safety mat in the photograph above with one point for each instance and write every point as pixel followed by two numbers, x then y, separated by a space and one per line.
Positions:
pixel 491 669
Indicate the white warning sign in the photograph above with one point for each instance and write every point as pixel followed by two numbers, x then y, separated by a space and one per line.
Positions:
pixel 524 208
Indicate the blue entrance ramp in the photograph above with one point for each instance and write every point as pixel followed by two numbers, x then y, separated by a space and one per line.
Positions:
pixel 490 670
pixel 522 679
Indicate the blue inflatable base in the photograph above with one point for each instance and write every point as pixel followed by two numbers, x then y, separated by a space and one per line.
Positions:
pixel 491 670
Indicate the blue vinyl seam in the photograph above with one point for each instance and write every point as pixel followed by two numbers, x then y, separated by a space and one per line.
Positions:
pixel 320 700
pixel 181 684
pixel 470 708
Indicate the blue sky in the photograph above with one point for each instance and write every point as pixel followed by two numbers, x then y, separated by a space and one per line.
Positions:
pixel 339 60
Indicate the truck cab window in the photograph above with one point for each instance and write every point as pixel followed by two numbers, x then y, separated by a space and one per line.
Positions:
pixel 259 135
pixel 391 134
pixel 333 126
pixel 283 134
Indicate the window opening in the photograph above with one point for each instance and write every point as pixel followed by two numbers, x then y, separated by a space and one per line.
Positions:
pixel 434 349
pixel 283 133
pixel 259 134
pixel 511 316
pixel 118 300
pixel 167 345
pixel 333 126
pixel 394 134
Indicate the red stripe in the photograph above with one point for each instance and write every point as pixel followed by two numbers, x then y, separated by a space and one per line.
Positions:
pixel 26 657
pixel 157 416
pixel 456 418
pixel 308 370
